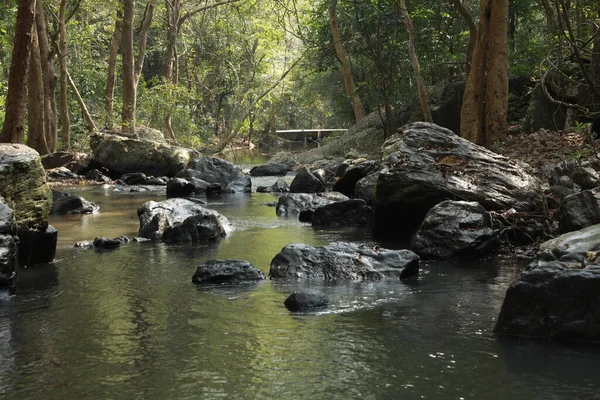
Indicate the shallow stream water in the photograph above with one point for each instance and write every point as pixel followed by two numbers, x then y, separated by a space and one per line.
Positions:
pixel 129 324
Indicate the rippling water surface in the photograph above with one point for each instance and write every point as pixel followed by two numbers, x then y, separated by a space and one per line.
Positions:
pixel 129 324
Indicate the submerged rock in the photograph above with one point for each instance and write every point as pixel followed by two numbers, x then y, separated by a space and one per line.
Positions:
pixel 293 204
pixel 343 261
pixel 306 300
pixel 455 228
pixel 65 204
pixel 425 164
pixel 227 271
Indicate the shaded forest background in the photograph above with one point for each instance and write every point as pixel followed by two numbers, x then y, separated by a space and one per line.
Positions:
pixel 218 71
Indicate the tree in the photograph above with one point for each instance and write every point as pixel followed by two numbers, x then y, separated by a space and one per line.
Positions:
pixel 111 79
pixel 36 137
pixel 63 59
pixel 13 129
pixel 485 102
pixel 129 89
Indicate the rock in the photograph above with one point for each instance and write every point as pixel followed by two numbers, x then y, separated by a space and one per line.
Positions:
pixel 280 186
pixel 227 271
pixel 179 187
pixel 446 112
pixel 122 155
pixel 65 204
pixel 556 297
pixel 425 164
pixel 294 203
pixel 134 178
pixel 157 180
pixel 8 224
pixel 345 213
pixel 306 300
pixel 61 173
pixel 57 160
pixel 97 175
pixel 215 170
pixel 579 210
pixel 543 113
pixel 284 158
pixel 156 218
pixel 37 246
pixel 306 182
pixel 347 183
pixel 365 188
pixel 343 261
pixel 8 260
pixel 455 228
pixel 271 169
pixel 573 174
pixel 103 243
pixel 306 216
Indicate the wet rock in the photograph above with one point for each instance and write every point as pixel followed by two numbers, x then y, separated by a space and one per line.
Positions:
pixel 280 186
pixel 8 260
pixel 57 160
pixel 8 224
pixel 306 182
pixel 227 271
pixel 365 188
pixel 347 182
pixel 65 204
pixel 97 175
pixel 36 246
pixel 167 220
pixel 103 243
pixel 579 210
pixel 425 164
pixel 271 169
pixel 122 155
pixel 345 213
pixel 214 170
pixel 556 297
pixel 294 203
pixel 179 187
pixel 157 180
pixel 306 300
pixel 574 175
pixel 343 261
pixel 455 228
pixel 61 173
pixel 284 158
pixel 134 178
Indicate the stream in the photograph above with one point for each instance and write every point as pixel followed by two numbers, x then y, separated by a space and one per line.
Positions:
pixel 129 324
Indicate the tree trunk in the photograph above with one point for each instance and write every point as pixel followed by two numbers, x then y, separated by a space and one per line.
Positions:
pixel 13 130
pixel 139 64
pixel 62 56
pixel 129 91
pixel 415 63
pixel 36 137
pixel 472 33
pixel 86 114
pixel 485 102
pixel 46 56
pixel 357 106
pixel 111 79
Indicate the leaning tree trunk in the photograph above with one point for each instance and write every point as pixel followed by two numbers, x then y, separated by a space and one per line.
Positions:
pixel 129 92
pixel 62 56
pixel 357 106
pixel 36 137
pixel 111 79
pixel 13 130
pixel 415 63
pixel 485 102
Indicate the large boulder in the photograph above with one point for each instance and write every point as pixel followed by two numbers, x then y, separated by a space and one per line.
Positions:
pixel 292 204
pixel 425 164
pixel 64 203
pixel 365 188
pixel 168 220
pixel 579 210
pixel 306 182
pixel 24 189
pixel 227 271
pixel 8 247
pixel 455 228
pixel 344 213
pixel 215 170
pixel 271 169
pixel 122 155
pixel 347 182
pixel 343 261
pixel 556 297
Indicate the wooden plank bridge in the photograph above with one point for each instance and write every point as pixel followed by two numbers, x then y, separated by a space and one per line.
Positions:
pixel 306 135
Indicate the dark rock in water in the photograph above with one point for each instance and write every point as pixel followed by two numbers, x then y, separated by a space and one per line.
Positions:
pixel 306 216
pixel 306 300
pixel 98 176
pixel 134 178
pixel 306 182
pixel 280 186
pixel 455 228
pixel 158 217
pixel 61 173
pixel 579 211
pixel 65 204
pixel 214 170
pixel 103 243
pixel 365 188
pixel 227 271
pixel 270 170
pixel 37 246
pixel 294 203
pixel 345 213
pixel 157 180
pixel 122 155
pixel 8 260
pixel 425 164
pixel 344 261
pixel 347 182
pixel 556 297
pixel 179 187
pixel 84 245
